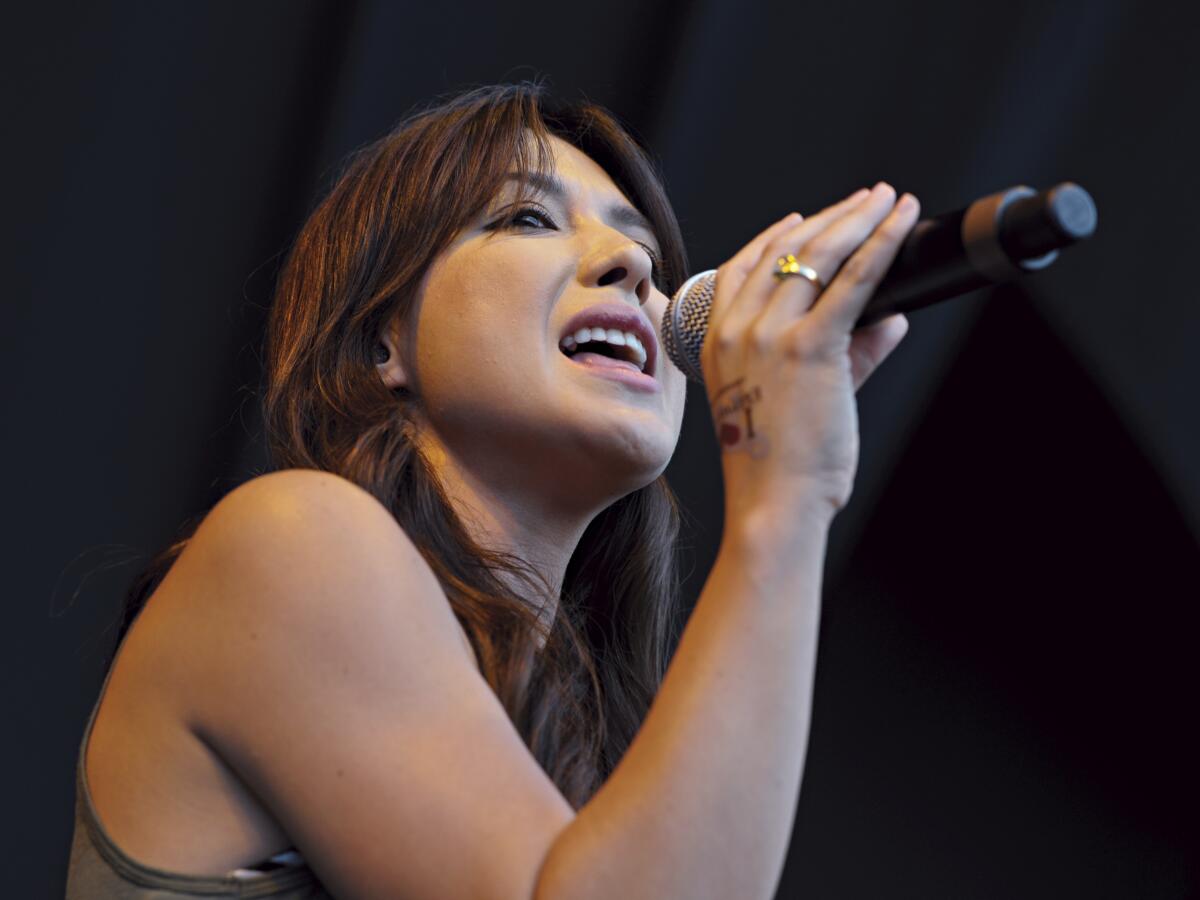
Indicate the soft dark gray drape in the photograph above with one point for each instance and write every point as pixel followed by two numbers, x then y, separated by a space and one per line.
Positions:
pixel 1006 694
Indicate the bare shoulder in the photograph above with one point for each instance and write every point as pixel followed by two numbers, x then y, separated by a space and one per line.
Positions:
pixel 303 486
pixel 314 529
pixel 318 658
pixel 294 503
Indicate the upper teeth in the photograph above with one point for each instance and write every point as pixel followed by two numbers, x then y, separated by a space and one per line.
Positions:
pixel 612 336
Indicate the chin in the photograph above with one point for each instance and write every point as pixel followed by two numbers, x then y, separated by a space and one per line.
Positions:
pixel 634 446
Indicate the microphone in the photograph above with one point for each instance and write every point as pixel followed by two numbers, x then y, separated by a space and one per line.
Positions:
pixel 997 238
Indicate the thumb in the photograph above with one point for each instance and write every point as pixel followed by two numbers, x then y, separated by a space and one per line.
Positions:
pixel 870 346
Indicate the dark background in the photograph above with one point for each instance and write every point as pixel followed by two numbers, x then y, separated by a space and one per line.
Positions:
pixel 1006 694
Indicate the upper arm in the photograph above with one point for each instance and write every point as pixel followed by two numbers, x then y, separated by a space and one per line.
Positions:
pixel 330 674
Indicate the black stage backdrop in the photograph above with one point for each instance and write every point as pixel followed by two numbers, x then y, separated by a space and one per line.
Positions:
pixel 1006 696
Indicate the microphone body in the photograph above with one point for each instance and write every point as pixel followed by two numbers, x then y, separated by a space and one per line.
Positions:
pixel 997 238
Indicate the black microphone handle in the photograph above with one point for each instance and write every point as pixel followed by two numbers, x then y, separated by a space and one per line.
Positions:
pixel 996 239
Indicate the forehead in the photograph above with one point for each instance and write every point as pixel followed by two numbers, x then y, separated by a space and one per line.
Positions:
pixel 576 172
pixel 572 163
pixel 575 175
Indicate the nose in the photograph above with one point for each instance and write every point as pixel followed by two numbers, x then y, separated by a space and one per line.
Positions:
pixel 624 264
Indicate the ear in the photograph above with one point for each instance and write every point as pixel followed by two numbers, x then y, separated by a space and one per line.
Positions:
pixel 392 370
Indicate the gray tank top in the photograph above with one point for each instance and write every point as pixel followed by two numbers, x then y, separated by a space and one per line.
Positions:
pixel 100 870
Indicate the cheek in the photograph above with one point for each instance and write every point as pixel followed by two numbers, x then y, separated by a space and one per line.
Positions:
pixel 481 336
pixel 674 381
pixel 677 390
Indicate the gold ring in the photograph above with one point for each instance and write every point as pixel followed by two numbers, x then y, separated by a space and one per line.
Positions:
pixel 788 266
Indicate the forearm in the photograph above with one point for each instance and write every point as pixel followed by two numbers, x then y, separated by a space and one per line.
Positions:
pixel 703 802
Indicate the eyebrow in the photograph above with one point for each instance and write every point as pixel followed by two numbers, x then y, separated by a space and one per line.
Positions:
pixel 617 213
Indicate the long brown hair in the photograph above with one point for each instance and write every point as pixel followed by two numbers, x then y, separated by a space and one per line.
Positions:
pixel 356 263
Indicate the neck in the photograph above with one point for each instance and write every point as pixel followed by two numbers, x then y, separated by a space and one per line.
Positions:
pixel 502 515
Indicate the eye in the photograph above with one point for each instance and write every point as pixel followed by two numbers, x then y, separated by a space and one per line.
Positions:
pixel 528 211
pixel 655 263
pixel 537 212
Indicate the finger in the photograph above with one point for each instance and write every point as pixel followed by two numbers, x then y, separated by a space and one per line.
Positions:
pixel 759 285
pixel 843 302
pixel 731 275
pixel 871 345
pixel 746 258
pixel 809 241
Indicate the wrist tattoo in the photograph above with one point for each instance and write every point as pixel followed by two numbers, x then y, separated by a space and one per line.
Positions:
pixel 733 412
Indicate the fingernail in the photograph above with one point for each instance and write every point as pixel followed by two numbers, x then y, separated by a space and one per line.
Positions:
pixel 859 194
pixel 907 203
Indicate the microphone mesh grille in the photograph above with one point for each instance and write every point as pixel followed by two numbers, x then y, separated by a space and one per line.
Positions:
pixel 686 321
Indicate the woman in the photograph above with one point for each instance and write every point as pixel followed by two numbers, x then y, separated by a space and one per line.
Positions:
pixel 419 657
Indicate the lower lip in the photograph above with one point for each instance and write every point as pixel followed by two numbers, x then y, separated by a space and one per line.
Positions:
pixel 639 380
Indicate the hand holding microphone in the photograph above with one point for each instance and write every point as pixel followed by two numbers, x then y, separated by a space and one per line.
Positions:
pixel 781 369
pixel 995 239
pixel 873 280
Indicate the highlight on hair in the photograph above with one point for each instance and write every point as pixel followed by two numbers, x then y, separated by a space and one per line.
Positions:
pixel 357 262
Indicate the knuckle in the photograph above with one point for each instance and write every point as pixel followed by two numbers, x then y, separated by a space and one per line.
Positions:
pixel 813 345
pixel 761 339
pixel 822 248
pixel 860 269
pixel 799 344
pixel 801 353
pixel 786 239
pixel 779 246
pixel 892 229
pixel 731 274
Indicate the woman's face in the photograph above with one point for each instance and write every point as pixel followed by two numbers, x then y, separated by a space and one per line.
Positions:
pixel 501 398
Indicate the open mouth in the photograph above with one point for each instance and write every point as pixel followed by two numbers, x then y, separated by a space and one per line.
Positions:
pixel 612 335
pixel 606 347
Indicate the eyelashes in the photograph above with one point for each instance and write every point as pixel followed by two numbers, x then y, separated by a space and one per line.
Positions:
pixel 656 263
